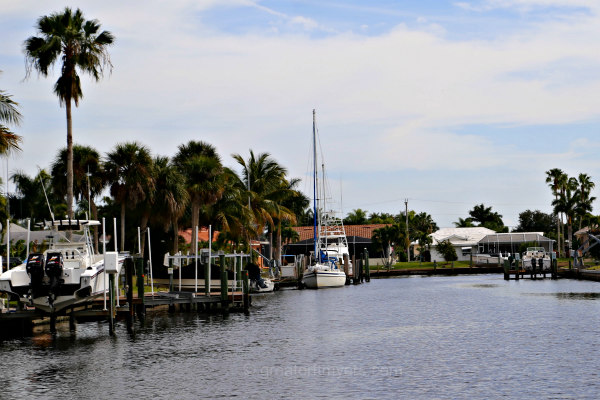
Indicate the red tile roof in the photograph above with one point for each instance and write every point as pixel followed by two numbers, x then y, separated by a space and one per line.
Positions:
pixel 202 235
pixel 365 231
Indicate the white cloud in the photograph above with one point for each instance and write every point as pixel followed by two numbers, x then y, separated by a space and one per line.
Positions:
pixel 391 102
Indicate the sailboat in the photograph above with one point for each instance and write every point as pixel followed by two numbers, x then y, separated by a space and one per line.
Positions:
pixel 66 274
pixel 330 243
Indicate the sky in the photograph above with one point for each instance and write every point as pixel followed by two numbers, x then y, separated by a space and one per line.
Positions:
pixel 448 104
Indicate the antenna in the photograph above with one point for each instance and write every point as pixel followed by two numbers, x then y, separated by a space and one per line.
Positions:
pixel 45 195
pixel 89 192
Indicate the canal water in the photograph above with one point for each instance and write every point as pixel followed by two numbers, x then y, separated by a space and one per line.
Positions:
pixel 457 337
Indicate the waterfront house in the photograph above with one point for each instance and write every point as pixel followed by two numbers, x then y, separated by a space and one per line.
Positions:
pixel 464 240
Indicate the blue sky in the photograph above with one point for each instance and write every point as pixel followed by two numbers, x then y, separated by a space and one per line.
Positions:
pixel 446 103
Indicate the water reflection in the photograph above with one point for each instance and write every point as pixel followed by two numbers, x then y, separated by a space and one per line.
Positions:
pixel 439 337
pixel 569 295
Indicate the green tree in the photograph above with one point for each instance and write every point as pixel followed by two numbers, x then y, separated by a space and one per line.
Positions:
pixel 447 250
pixel 9 115
pixel 171 196
pixel 464 223
pixel 267 189
pixel 356 217
pixel 566 203
pixel 129 172
pixel 29 200
pixel 201 165
pixel 82 48
pixel 89 179
pixel 584 206
pixel 537 221
pixel 381 218
pixel 385 238
pixel 485 217
pixel 555 178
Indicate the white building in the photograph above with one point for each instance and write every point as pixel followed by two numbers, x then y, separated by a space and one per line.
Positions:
pixel 464 240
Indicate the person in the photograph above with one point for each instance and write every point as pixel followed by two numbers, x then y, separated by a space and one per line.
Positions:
pixel 254 274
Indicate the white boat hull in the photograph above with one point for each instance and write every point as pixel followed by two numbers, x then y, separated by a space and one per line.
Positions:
pixel 316 279
pixel 84 285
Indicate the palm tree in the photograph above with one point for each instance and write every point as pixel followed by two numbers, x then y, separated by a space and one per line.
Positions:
pixel 266 190
pixel 171 197
pixel 9 114
pixel 200 163
pixel 464 223
pixel 585 200
pixel 129 172
pixel 88 177
pixel 554 177
pixel 487 218
pixel 29 200
pixel 230 213
pixel 567 204
pixel 81 48
pixel 356 217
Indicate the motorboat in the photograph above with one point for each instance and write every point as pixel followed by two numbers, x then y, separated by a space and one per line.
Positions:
pixel 539 257
pixel 66 274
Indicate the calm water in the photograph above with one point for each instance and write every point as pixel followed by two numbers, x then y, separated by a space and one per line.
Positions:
pixel 419 337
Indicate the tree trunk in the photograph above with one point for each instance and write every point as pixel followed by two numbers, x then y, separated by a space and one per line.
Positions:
pixel 176 239
pixel 69 160
pixel 123 226
pixel 144 225
pixel 195 211
pixel 570 231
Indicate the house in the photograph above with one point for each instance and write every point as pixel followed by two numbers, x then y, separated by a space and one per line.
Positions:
pixel 359 237
pixel 512 243
pixel 464 240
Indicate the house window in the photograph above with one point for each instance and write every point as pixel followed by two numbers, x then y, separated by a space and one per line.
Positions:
pixel 466 251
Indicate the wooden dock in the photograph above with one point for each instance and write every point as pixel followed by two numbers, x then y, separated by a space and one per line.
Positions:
pixel 19 321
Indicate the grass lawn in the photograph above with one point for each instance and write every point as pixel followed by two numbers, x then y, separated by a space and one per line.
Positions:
pixel 423 265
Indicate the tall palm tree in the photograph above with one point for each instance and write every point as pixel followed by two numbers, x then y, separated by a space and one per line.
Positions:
pixel 567 204
pixel 9 115
pixel 81 48
pixel 200 163
pixel 129 171
pixel 554 177
pixel 585 199
pixel 171 197
pixel 266 189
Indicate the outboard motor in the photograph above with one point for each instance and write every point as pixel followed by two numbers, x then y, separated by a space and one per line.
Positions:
pixel 35 270
pixel 54 270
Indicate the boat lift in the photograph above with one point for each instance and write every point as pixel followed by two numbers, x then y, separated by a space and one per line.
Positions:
pixel 584 248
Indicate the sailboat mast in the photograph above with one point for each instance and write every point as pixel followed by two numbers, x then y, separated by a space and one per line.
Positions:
pixel 315 182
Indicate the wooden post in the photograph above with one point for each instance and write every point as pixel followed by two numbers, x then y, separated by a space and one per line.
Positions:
pixel 111 299
pixel 224 294
pixel 506 270
pixel 129 294
pixel 367 267
pixel 246 290
pixel 207 277
pixel 346 268
pixel 141 308
pixel 354 269
pixel 518 269
pixel 471 261
pixel 72 325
